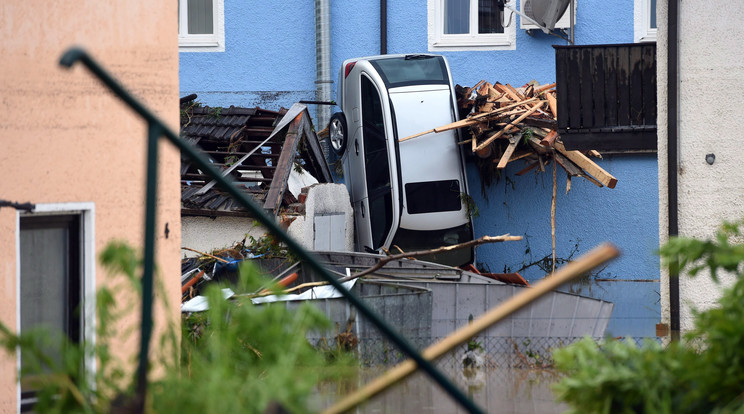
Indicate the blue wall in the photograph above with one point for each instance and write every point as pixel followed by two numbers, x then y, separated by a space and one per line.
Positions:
pixel 269 61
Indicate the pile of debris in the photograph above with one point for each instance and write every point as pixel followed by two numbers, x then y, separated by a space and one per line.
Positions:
pixel 506 124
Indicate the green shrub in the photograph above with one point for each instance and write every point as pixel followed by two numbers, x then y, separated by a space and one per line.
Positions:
pixel 702 374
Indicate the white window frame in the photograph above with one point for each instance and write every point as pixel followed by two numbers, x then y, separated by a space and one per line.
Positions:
pixel 438 41
pixel 642 30
pixel 86 211
pixel 214 42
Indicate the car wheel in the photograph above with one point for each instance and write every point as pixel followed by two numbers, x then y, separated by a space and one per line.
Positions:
pixel 338 133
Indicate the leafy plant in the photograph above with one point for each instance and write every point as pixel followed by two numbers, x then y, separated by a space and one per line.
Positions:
pixel 703 374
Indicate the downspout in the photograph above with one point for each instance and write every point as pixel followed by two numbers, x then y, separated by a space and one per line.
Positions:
pixel 383 27
pixel 673 154
pixel 323 77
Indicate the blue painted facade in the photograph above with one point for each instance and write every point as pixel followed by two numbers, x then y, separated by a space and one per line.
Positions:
pixel 269 61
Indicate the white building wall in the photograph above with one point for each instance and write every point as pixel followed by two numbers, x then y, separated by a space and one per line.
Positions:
pixel 711 69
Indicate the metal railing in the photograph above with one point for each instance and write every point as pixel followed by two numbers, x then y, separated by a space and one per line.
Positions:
pixel 156 129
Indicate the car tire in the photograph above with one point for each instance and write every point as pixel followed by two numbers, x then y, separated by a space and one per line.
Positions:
pixel 338 133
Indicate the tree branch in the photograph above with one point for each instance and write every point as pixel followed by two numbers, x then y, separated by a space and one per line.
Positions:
pixel 384 260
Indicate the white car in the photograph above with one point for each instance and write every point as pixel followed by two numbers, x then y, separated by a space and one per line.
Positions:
pixel 409 194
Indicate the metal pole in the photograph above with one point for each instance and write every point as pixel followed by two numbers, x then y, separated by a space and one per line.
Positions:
pixel 153 133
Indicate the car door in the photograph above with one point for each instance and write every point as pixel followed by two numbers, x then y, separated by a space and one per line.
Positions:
pixel 373 212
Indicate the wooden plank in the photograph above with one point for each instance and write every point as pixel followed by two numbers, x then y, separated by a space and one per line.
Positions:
pixel 611 86
pixel 469 121
pixel 553 104
pixel 573 92
pixel 543 88
pixel 513 141
pixel 649 84
pixel 528 168
pixel 587 165
pixel 598 79
pixel 314 150
pixel 587 89
pixel 561 89
pixel 623 85
pixel 540 122
pixel 636 87
pixel 549 139
pixel 283 167
pixel 606 141
pixel 570 167
pixel 508 128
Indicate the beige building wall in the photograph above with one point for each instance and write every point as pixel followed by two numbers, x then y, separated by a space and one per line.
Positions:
pixel 711 66
pixel 66 139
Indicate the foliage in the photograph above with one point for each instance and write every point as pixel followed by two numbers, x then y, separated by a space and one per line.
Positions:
pixel 703 374
pixel 236 357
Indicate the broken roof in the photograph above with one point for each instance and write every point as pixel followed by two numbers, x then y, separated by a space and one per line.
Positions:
pixel 259 149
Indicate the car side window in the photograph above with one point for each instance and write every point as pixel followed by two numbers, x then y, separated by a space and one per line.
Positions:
pixel 376 163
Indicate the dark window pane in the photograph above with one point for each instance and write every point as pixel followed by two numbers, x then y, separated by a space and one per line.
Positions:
pixel 490 17
pixel 376 164
pixel 375 145
pixel 413 240
pixel 653 14
pixel 412 70
pixel 380 217
pixel 433 196
pixel 200 17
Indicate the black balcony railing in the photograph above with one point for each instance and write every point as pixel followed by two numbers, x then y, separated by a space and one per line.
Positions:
pixel 607 96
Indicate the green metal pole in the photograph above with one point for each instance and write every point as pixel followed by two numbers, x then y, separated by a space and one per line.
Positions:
pixel 154 132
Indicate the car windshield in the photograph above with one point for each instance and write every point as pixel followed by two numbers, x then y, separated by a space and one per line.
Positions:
pixel 412 70
pixel 416 240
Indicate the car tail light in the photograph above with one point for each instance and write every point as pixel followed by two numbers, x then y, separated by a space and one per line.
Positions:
pixel 349 67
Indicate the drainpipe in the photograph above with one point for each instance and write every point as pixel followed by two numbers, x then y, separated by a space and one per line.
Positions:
pixel 383 27
pixel 673 152
pixel 323 77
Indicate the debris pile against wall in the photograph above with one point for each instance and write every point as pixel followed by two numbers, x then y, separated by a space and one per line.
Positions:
pixel 503 124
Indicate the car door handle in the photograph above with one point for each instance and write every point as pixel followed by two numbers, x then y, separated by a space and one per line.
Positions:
pixel 356 146
pixel 362 208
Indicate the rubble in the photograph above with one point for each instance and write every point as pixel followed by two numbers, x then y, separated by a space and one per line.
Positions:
pixel 505 124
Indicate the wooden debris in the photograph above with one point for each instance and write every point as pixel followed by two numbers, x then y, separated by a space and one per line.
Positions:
pixel 503 120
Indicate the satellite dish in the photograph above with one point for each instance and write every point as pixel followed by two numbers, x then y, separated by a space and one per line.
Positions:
pixel 544 12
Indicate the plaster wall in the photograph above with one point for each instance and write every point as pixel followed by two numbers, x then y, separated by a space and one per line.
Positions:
pixel 710 64
pixel 206 234
pixel 587 216
pixel 66 139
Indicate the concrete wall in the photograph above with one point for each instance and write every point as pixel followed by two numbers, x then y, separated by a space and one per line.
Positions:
pixel 273 50
pixel 66 139
pixel 206 234
pixel 711 64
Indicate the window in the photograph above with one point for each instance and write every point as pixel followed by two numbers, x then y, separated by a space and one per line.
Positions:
pixel 433 197
pixel 377 165
pixel 644 15
pixel 470 25
pixel 201 25
pixel 55 278
pixel 412 70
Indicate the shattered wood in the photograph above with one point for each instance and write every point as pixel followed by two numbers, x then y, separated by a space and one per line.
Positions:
pixel 502 121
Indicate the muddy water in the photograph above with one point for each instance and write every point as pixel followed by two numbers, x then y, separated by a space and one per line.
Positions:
pixel 495 390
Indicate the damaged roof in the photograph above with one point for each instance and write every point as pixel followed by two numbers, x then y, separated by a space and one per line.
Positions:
pixel 259 149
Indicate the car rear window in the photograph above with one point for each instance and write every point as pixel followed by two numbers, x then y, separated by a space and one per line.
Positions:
pixel 433 196
pixel 412 70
